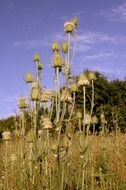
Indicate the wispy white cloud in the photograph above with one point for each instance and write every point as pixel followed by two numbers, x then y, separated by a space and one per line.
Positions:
pixel 116 14
pixel 100 56
pixel 30 44
pixel 97 37
pixel 84 41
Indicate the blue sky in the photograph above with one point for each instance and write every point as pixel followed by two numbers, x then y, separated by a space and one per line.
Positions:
pixel 30 26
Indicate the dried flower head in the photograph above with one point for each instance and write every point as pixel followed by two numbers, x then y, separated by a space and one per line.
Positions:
pixel 57 61
pixel 65 47
pixel 83 80
pixel 28 77
pixel 55 47
pixel 22 103
pixel 69 27
pixel 6 136
pixel 75 21
pixel 36 58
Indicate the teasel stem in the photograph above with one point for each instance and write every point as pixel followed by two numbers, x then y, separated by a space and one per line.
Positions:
pixel 37 72
pixel 6 164
pixel 92 101
pixel 35 118
pixel 84 107
pixel 68 54
pixel 51 109
pixel 74 48
pixel 23 122
pixel 63 111
pixel 79 124
pixel 31 159
pixel 62 177
pixel 58 95
pixel 83 175
pixel 72 107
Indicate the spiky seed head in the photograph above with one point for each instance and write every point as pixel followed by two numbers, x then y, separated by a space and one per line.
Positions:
pixel 94 120
pixel 75 21
pixel 55 47
pixel 53 94
pixel 57 61
pixel 69 27
pixel 83 80
pixel 79 115
pixel 35 92
pixel 91 76
pixel 6 136
pixel 22 103
pixel 66 96
pixel 28 77
pixel 46 123
pixel 74 87
pixel 44 96
pixel 87 119
pixel 65 47
pixel 36 58
pixel 39 66
pixel 66 70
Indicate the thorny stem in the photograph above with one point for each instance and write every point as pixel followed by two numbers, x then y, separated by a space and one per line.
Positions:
pixel 74 48
pixel 72 107
pixel 92 102
pixel 68 54
pixel 84 108
pixel 58 95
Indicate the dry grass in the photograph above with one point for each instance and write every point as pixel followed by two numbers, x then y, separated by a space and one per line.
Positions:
pixel 101 165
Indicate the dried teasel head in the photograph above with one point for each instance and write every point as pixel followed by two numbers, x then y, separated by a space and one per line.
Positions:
pixel 36 58
pixel 28 77
pixel 44 96
pixel 66 96
pixel 74 87
pixel 91 76
pixel 22 103
pixel 39 66
pixel 83 80
pixel 35 91
pixel 46 123
pixel 75 21
pixel 65 47
pixel 53 94
pixel 87 119
pixel 57 61
pixel 69 27
pixel 79 115
pixel 6 136
pixel 94 119
pixel 55 47
pixel 66 70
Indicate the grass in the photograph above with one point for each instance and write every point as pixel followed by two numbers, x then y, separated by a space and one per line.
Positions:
pixel 101 164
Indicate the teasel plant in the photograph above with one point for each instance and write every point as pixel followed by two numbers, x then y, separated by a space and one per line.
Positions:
pixel 22 107
pixel 6 135
pixel 57 63
pixel 83 81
